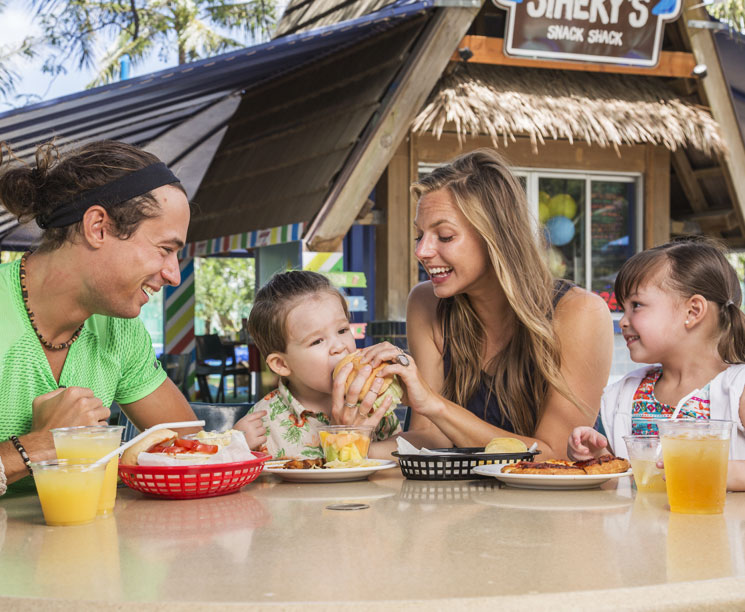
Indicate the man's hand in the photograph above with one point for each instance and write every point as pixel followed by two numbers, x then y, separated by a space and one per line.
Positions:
pixel 68 407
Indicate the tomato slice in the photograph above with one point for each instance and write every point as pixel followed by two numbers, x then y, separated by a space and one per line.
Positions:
pixel 185 446
pixel 207 449
pixel 170 450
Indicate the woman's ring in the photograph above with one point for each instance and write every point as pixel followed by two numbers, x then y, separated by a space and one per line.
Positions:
pixel 402 359
pixel 348 405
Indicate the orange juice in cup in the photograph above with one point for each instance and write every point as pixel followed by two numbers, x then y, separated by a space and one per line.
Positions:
pixel 92 443
pixel 695 454
pixel 69 490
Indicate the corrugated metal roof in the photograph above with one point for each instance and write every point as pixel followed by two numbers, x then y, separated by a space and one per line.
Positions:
pixel 303 15
pixel 305 100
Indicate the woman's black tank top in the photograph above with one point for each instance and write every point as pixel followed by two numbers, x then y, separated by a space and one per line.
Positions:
pixel 478 400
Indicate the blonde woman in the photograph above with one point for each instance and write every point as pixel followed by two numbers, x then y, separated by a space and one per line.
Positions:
pixel 499 347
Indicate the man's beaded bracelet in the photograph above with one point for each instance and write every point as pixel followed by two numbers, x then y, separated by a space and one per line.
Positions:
pixel 22 451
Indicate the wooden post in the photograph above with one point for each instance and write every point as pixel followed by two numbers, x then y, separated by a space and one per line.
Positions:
pixel 367 161
pixel 393 238
pixel 718 95
pixel 656 196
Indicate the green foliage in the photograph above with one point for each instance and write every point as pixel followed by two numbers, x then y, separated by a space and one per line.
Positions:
pixel 8 256
pixel 74 29
pixel 224 291
pixel 731 12
pixel 8 53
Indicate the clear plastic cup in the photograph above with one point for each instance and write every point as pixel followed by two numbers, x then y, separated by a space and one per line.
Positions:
pixel 695 453
pixel 69 490
pixel 644 453
pixel 92 443
pixel 345 444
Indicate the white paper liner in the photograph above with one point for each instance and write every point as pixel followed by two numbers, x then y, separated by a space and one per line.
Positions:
pixel 234 452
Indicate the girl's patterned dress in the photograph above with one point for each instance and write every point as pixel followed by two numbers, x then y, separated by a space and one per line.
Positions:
pixel 647 408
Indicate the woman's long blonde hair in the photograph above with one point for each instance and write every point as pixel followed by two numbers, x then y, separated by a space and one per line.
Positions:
pixel 494 202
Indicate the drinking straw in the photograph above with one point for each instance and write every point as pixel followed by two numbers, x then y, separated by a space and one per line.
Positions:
pixel 126 445
pixel 678 408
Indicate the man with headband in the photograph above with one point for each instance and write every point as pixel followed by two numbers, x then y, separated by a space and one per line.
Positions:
pixel 114 218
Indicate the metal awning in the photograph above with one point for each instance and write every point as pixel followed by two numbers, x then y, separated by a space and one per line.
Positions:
pixel 268 127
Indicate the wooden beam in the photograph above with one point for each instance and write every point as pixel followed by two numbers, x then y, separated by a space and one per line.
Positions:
pixel 490 50
pixel 370 156
pixel 656 196
pixel 688 181
pixel 393 243
pixel 714 221
pixel 714 172
pixel 552 154
pixel 718 97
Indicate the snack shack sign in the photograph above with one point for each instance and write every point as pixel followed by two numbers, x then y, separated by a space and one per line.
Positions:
pixel 609 31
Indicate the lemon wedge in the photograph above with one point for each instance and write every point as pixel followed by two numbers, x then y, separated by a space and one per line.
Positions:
pixel 506 445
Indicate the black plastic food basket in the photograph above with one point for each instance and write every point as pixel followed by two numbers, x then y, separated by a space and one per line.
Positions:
pixel 457 464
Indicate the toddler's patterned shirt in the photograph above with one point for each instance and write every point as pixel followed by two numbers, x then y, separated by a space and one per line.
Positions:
pixel 292 431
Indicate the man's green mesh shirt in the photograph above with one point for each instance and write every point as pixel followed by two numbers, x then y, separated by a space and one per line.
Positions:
pixel 112 357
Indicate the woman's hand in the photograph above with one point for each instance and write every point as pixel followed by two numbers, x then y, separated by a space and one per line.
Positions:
pixel 347 408
pixel 417 393
pixel 586 443
pixel 252 426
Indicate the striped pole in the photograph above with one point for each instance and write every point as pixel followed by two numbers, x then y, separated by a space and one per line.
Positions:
pixel 323 262
pixel 178 317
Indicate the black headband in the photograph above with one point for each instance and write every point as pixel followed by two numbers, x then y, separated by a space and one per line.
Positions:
pixel 120 190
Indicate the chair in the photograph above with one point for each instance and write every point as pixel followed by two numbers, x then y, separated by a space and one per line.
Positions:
pixel 220 417
pixel 217 417
pixel 176 368
pixel 211 349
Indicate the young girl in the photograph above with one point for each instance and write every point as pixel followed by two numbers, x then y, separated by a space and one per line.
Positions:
pixel 681 305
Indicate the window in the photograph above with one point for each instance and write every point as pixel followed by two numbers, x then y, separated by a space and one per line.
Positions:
pixel 573 206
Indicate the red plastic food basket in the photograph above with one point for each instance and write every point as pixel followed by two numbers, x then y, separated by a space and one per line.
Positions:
pixel 192 481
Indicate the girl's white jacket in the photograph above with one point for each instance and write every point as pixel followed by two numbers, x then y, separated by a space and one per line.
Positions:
pixel 724 400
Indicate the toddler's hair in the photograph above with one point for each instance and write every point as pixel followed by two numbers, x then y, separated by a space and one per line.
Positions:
pixel 267 322
pixel 693 266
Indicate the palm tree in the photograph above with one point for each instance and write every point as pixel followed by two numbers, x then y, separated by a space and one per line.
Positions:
pixel 731 12
pixel 8 53
pixel 194 28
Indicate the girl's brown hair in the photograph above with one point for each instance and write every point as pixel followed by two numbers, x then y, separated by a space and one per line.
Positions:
pixel 267 322
pixel 33 192
pixel 494 202
pixel 693 266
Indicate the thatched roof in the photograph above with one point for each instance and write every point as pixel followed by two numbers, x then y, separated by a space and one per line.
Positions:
pixel 604 109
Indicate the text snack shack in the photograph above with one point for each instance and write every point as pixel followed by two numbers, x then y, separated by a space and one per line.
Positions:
pixel 612 31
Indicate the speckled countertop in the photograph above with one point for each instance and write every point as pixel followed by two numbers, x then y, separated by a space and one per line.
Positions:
pixel 464 545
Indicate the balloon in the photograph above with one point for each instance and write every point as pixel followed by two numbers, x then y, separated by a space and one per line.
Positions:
pixel 562 205
pixel 543 197
pixel 543 213
pixel 556 263
pixel 560 230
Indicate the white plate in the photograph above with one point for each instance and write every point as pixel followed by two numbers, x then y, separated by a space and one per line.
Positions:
pixel 330 475
pixel 547 481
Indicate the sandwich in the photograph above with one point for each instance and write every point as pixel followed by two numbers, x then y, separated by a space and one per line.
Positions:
pixel 391 386
pixel 167 442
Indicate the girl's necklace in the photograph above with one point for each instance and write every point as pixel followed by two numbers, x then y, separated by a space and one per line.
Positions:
pixel 31 316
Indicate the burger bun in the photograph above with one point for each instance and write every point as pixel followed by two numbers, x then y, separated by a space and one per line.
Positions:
pixel 129 456
pixel 354 359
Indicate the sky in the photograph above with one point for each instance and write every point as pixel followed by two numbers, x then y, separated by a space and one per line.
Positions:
pixel 16 23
